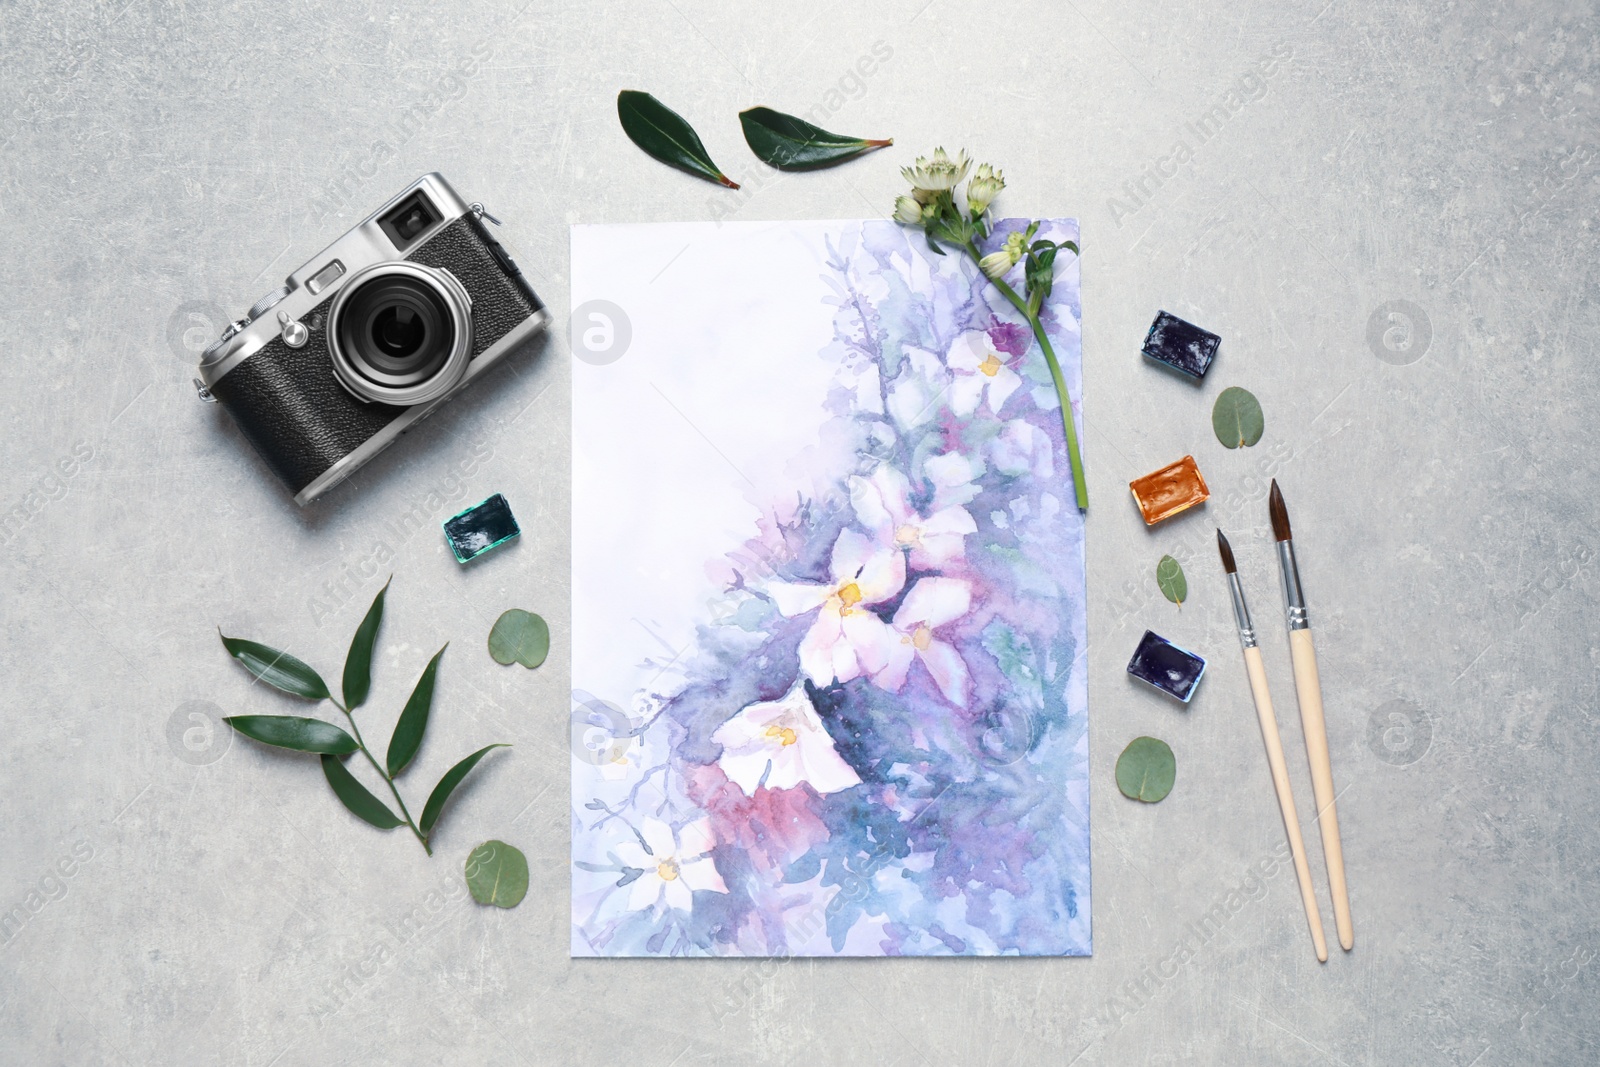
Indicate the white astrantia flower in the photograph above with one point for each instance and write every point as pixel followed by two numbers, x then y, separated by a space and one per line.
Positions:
pixel 939 173
pixel 985 185
pixel 931 603
pixel 980 373
pixel 907 210
pixel 786 743
pixel 883 504
pixel 845 634
pixel 675 865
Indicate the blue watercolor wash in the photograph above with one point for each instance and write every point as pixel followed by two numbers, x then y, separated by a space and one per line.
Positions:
pixel 1160 663
pixel 1181 345
pixel 481 527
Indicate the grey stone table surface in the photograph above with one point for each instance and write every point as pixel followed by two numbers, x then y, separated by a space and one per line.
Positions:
pixel 1386 210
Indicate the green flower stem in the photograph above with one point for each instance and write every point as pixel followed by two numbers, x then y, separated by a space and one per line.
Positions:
pixel 361 744
pixel 1079 488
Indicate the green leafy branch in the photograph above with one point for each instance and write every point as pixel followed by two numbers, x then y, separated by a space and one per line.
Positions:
pixel 932 204
pixel 284 672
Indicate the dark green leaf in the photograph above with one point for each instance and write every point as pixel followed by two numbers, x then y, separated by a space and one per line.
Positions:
pixel 664 134
pixel 497 874
pixel 1146 770
pixel 414 719
pixel 292 731
pixel 356 796
pixel 278 669
pixel 788 143
pixel 447 785
pixel 1170 580
pixel 1237 418
pixel 519 637
pixel 358 663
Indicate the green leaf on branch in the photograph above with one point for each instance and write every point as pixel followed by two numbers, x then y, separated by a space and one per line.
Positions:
pixel 666 135
pixel 1146 770
pixel 413 720
pixel 1237 418
pixel 358 663
pixel 497 874
pixel 278 669
pixel 1170 580
pixel 357 797
pixel 447 785
pixel 519 637
pixel 790 143
pixel 293 731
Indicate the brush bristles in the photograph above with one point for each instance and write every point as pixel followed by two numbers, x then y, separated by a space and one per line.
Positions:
pixel 1227 554
pixel 1280 515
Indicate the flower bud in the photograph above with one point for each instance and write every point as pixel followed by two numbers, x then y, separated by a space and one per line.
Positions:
pixel 985 186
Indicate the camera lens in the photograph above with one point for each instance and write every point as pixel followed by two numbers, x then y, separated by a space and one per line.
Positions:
pixel 397 338
pixel 399 331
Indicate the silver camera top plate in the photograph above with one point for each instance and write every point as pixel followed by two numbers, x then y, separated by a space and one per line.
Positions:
pixel 314 283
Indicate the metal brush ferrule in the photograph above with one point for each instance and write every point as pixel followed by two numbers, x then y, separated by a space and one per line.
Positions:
pixel 1241 613
pixel 1294 597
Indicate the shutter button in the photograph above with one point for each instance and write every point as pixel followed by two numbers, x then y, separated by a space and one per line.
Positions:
pixel 294 333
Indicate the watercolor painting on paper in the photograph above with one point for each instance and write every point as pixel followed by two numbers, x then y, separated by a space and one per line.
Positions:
pixel 828 649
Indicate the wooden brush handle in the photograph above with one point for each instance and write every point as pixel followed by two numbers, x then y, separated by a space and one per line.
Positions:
pixel 1308 688
pixel 1280 782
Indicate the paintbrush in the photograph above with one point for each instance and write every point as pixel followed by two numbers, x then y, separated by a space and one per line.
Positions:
pixel 1274 743
pixel 1308 689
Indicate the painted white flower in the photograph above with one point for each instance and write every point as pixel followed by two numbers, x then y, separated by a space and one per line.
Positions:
pixel 1023 448
pixel 675 865
pixel 883 504
pixel 939 173
pixel 985 185
pixel 995 264
pixel 980 373
pixel 844 634
pixel 953 476
pixel 787 736
pixel 915 392
pixel 932 603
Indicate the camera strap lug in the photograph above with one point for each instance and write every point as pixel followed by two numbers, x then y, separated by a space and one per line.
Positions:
pixel 202 392
pixel 479 212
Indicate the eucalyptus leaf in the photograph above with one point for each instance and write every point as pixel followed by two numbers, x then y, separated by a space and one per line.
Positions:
pixel 497 874
pixel 1146 770
pixel 293 731
pixel 447 785
pixel 519 637
pixel 666 135
pixel 278 669
pixel 790 143
pixel 1170 580
pixel 414 719
pixel 1237 418
pixel 357 797
pixel 358 662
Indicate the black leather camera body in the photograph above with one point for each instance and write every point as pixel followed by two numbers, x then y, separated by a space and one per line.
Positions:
pixel 370 336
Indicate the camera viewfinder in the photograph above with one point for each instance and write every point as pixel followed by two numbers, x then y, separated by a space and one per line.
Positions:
pixel 409 220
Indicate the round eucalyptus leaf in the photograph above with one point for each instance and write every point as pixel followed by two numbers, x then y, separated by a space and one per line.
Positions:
pixel 1170 580
pixel 1237 418
pixel 519 637
pixel 1146 770
pixel 497 874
